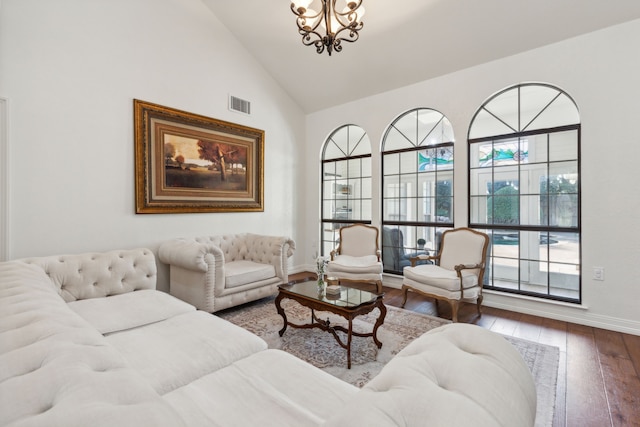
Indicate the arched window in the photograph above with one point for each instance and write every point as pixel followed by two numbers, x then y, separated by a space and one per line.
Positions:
pixel 417 185
pixel 524 190
pixel 346 182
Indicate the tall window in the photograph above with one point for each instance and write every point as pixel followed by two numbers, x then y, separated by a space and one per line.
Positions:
pixel 346 182
pixel 524 190
pixel 417 186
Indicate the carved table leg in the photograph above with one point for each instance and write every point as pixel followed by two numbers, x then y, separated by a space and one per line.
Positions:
pixel 379 322
pixel 281 312
pixel 349 335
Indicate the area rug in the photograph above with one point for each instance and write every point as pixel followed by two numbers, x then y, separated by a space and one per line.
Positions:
pixel 400 328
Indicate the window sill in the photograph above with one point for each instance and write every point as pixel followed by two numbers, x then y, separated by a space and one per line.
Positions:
pixel 581 306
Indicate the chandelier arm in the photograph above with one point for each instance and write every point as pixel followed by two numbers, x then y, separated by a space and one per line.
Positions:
pixel 351 14
pixel 352 25
pixel 301 20
pixel 320 45
pixel 319 42
pixel 337 45
pixel 349 17
pixel 308 32
pixel 301 13
pixel 310 37
pixel 353 33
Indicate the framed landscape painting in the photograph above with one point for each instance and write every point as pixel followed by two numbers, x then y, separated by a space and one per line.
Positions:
pixel 186 163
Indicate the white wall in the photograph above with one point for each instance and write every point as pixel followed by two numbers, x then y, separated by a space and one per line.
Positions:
pixel 4 177
pixel 600 71
pixel 71 69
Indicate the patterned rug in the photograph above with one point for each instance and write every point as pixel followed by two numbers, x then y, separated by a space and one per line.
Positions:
pixel 400 328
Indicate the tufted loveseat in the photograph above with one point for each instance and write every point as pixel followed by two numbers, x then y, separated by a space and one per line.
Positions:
pixel 86 340
pixel 218 272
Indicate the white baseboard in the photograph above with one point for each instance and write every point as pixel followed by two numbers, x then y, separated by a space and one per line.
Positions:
pixel 570 313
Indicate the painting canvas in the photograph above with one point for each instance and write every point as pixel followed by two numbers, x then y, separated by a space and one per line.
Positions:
pixel 190 163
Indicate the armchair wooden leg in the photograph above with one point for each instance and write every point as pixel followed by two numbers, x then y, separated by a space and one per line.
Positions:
pixel 379 286
pixel 405 291
pixel 454 309
pixel 478 304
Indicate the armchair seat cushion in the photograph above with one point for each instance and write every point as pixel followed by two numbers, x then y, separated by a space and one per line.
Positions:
pixel 356 264
pixel 438 277
pixel 238 273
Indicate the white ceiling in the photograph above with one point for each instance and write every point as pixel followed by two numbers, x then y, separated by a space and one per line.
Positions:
pixel 407 41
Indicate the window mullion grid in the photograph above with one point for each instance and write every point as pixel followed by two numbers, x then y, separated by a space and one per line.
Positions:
pixel 361 186
pixel 520 189
pixel 416 191
pixel 435 191
pixel 415 141
pixel 385 184
pixel 493 186
pixel 348 143
pixel 357 200
pixel 519 108
pixel 548 213
pixel 334 193
pixel 349 196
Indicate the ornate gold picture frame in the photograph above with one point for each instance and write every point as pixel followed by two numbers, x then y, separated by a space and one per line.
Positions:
pixel 187 163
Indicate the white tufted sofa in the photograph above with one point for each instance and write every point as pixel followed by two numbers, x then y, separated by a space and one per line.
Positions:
pixel 86 340
pixel 218 272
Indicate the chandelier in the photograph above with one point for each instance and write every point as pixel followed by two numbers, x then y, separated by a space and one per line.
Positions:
pixel 337 26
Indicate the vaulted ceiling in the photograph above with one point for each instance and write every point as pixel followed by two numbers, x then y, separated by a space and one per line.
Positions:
pixel 404 42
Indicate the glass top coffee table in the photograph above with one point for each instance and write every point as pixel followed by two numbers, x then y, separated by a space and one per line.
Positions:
pixel 349 304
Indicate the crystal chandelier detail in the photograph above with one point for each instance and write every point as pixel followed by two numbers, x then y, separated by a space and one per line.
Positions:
pixel 328 27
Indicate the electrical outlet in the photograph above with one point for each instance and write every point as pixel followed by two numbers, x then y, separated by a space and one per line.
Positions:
pixel 598 273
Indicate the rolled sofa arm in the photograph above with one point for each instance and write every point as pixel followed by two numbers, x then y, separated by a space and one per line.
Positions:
pixel 189 254
pixel 457 375
pixel 273 250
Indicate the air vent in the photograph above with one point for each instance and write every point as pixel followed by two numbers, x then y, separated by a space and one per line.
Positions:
pixel 239 105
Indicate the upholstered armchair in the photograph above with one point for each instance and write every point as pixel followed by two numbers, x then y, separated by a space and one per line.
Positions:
pixel 456 276
pixel 218 272
pixel 357 257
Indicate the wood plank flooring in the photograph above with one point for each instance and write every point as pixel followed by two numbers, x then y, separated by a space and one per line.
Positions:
pixel 599 372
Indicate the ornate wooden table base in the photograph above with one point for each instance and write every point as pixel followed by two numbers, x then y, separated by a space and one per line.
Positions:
pixel 350 304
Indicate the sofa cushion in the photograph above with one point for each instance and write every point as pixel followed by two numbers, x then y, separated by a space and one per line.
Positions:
pixel 176 351
pixel 130 310
pixel 270 388
pixel 238 273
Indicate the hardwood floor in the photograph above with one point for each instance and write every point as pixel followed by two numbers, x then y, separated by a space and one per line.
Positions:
pixel 599 372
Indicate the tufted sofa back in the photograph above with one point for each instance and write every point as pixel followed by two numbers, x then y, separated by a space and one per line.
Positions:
pixel 95 275
pixel 247 246
pixel 233 246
